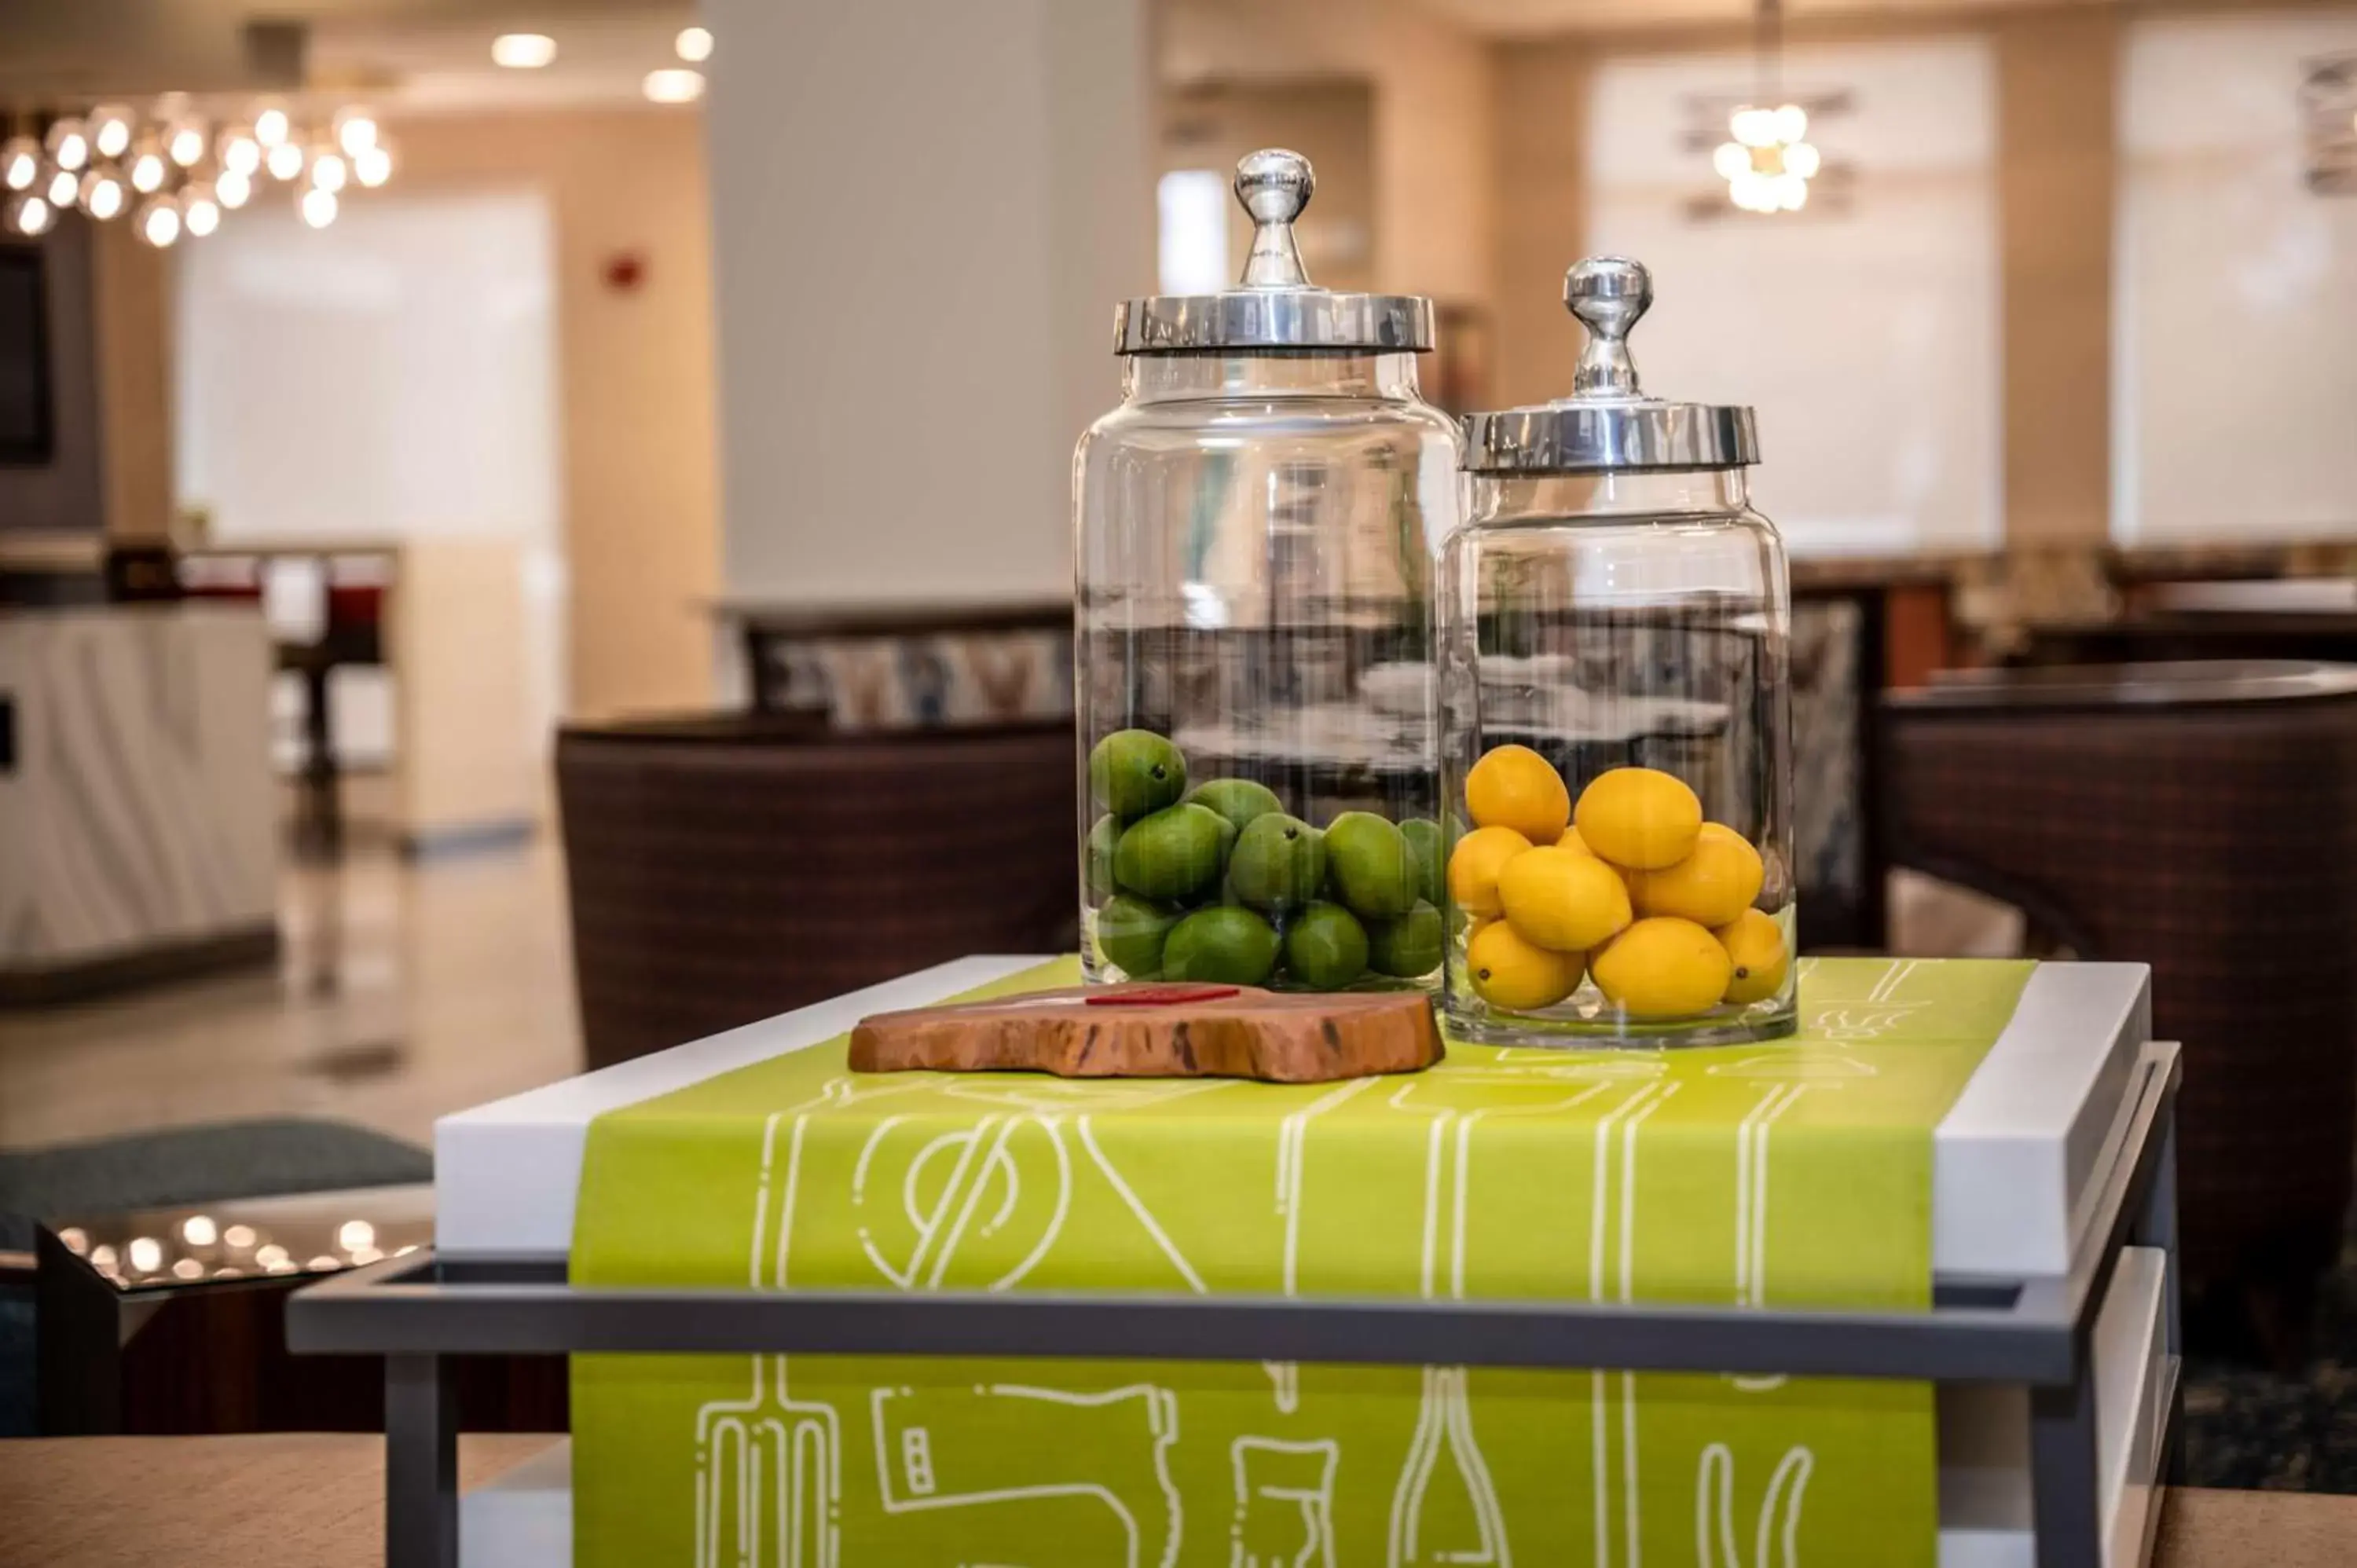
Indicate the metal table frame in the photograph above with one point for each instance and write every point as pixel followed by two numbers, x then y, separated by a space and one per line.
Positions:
pixel 419 1313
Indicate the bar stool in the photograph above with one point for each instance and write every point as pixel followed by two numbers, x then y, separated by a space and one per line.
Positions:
pixel 2202 817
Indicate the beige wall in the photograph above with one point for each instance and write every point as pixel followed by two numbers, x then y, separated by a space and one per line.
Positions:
pixel 1542 203
pixel 2057 76
pixel 462 700
pixel 928 213
pixel 131 288
pixel 1330 122
pixel 1435 203
pixel 2056 70
pixel 636 379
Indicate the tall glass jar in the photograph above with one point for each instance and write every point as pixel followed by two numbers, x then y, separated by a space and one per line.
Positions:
pixel 1254 528
pixel 1616 718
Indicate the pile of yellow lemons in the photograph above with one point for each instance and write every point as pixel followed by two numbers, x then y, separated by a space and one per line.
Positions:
pixel 1631 887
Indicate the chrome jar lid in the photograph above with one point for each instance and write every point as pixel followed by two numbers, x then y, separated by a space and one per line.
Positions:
pixel 1608 423
pixel 1276 306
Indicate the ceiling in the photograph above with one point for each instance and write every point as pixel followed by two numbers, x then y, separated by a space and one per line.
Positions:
pixel 416 55
pixel 1534 18
pixel 426 64
pixel 426 55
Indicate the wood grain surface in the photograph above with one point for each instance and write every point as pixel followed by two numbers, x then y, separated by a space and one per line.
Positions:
pixel 283 1499
pixel 311 1500
pixel 1124 1031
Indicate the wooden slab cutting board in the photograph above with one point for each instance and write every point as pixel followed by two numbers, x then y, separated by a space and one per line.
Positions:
pixel 1160 1031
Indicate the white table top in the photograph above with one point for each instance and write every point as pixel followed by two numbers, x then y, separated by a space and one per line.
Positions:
pixel 2014 1163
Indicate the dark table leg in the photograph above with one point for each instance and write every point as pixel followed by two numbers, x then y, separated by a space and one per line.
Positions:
pixel 2157 1227
pixel 2066 1488
pixel 321 821
pixel 421 1462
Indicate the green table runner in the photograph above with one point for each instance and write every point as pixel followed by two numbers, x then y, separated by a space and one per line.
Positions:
pixel 1797 1173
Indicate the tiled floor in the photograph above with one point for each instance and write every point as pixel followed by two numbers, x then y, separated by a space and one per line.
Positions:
pixel 406 992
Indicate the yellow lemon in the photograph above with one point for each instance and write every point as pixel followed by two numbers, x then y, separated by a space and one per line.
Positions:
pixel 1563 900
pixel 1663 967
pixel 1641 818
pixel 1711 886
pixel 1572 841
pixel 1755 943
pixel 1474 866
pixel 1510 972
pixel 1514 787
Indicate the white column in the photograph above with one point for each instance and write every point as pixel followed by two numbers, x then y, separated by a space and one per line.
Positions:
pixel 923 213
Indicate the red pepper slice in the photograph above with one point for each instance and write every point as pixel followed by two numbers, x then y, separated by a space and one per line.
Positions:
pixel 1161 995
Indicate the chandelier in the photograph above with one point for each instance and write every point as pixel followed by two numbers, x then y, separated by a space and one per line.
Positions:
pixel 172 170
pixel 1767 160
pixel 1766 163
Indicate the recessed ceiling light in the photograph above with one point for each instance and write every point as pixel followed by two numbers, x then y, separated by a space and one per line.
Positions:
pixel 693 44
pixel 522 51
pixel 673 85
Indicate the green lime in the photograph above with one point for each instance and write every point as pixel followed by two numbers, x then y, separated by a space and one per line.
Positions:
pixel 1238 800
pixel 1325 948
pixel 1279 863
pixel 1173 853
pixel 1407 948
pixel 1228 946
pixel 1102 840
pixel 1130 933
pixel 1373 872
pixel 1134 771
pixel 1423 835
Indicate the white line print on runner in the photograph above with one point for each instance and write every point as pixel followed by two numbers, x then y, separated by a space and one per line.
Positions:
pixel 1876 1014
pixel 782 1469
pixel 940 1230
pixel 1144 1215
pixel 1446 1410
pixel 1117 1436
pixel 1299 1477
pixel 802 1441
pixel 1445 1416
pixel 1292 1134
pixel 1751 1191
pixel 1779 1510
pixel 1627 1115
pixel 768 1460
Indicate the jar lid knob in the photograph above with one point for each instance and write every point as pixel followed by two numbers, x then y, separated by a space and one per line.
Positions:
pixel 1274 185
pixel 1608 293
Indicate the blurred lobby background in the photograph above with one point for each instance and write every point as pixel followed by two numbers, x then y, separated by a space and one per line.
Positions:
pixel 443 595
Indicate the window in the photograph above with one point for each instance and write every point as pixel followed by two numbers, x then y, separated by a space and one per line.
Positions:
pixel 1864 329
pixel 1193 206
pixel 2235 310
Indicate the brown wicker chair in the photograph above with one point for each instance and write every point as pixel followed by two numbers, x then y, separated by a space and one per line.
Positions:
pixel 2202 817
pixel 724 870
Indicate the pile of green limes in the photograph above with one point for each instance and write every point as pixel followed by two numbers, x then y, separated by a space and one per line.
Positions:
pixel 1218 883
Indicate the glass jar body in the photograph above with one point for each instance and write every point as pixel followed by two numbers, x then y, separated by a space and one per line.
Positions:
pixel 1624 628
pixel 1254 537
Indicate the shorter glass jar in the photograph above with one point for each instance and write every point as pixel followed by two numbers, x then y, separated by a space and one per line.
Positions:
pixel 1615 713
